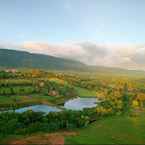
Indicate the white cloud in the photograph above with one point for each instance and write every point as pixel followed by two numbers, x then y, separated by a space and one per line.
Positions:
pixel 117 55
pixel 128 56
pixel 139 56
pixel 71 51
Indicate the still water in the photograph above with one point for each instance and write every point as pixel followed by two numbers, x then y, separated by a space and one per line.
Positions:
pixel 73 104
pixel 81 103
pixel 38 108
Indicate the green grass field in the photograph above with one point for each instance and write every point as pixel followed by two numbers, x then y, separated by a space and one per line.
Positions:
pixel 82 92
pixel 25 100
pixel 109 130
pixel 112 130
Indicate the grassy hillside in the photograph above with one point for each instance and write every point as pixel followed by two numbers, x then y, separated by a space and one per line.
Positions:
pixel 20 59
pixel 112 130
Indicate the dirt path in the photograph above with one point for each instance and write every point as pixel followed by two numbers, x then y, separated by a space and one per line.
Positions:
pixel 43 139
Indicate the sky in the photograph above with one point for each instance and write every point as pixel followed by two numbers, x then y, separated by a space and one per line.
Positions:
pixel 96 32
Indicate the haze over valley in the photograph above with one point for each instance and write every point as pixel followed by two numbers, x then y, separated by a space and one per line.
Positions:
pixel 72 72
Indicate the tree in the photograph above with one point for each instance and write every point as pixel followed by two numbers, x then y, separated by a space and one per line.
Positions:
pixel 125 98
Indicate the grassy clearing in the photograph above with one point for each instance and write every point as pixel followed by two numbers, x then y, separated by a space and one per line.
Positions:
pixel 8 101
pixel 82 92
pixel 109 130
pixel 112 130
pixel 24 100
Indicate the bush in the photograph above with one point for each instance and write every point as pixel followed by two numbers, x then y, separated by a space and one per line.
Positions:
pixel 29 122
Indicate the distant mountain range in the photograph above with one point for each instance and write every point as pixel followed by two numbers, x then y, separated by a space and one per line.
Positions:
pixel 21 59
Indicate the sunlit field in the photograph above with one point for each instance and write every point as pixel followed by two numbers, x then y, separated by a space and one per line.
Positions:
pixel 117 118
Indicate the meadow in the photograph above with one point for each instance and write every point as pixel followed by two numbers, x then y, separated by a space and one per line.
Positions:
pixel 112 130
pixel 117 119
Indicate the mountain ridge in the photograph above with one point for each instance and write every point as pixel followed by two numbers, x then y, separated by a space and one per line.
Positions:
pixel 23 59
pixel 15 58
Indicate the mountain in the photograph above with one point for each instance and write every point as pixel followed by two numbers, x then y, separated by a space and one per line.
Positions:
pixel 22 59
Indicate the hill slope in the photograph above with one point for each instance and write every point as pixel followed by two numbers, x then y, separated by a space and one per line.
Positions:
pixel 17 59
pixel 22 59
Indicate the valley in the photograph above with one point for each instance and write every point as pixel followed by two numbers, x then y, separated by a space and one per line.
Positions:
pixel 121 99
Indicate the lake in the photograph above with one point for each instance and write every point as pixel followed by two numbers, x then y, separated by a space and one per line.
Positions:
pixel 73 104
pixel 80 103
pixel 38 108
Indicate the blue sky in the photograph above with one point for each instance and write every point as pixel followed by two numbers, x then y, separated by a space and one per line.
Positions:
pixel 96 32
pixel 72 20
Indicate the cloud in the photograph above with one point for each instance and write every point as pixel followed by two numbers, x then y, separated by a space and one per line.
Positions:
pixel 94 52
pixel 139 56
pixel 130 56
pixel 71 51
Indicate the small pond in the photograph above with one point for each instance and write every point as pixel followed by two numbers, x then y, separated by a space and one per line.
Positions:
pixel 73 104
pixel 38 108
pixel 81 103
